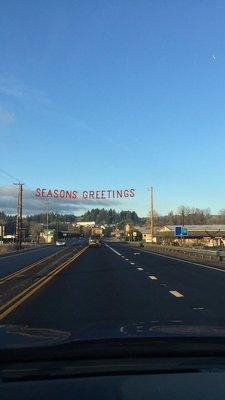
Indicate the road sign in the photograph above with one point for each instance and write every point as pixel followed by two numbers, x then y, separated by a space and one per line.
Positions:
pixel 180 231
pixel 134 234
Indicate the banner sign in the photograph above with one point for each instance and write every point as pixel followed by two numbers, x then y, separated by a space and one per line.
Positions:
pixel 86 194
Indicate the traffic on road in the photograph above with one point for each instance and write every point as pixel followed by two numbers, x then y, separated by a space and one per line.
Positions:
pixel 105 295
pixel 111 284
pixel 112 210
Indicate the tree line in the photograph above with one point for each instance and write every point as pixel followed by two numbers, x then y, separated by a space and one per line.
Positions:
pixel 183 215
pixel 60 221
pixel 109 217
pixel 191 216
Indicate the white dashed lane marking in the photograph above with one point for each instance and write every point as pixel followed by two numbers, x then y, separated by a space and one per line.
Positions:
pixel 136 254
pixel 173 292
pixel 176 294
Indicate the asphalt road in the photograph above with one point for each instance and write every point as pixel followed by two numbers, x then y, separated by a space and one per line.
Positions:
pixel 120 286
pixel 15 261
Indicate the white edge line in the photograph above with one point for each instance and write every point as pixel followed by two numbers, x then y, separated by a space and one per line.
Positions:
pixel 113 250
pixel 184 261
pixel 178 259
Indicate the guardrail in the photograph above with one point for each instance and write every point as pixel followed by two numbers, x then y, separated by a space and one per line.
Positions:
pixel 213 255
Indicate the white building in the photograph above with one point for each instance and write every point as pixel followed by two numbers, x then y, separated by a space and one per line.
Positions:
pixel 87 224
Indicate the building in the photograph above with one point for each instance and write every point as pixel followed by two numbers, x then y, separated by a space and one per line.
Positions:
pixel 47 236
pixel 146 233
pixel 117 233
pixel 211 235
pixel 127 228
pixel 96 231
pixel 86 224
pixel 9 238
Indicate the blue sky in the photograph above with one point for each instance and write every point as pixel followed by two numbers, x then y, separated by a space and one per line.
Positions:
pixel 115 94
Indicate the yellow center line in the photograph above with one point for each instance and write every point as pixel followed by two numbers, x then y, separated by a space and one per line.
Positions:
pixel 27 268
pixel 12 304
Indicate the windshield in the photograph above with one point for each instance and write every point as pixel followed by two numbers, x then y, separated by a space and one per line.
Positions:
pixel 112 212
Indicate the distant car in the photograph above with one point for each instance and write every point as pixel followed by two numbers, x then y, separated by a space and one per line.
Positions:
pixel 94 242
pixel 60 242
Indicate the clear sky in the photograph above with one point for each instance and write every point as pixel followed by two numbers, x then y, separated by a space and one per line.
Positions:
pixel 115 94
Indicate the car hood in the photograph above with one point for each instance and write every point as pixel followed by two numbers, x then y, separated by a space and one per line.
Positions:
pixel 17 336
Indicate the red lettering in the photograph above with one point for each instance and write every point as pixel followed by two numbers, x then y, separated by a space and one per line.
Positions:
pixel 49 194
pixel 38 192
pixel 68 194
pixel 91 194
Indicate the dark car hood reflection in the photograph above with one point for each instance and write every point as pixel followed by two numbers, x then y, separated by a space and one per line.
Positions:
pixel 23 336
pixel 14 336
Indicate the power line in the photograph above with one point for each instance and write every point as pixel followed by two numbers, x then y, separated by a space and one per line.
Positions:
pixel 8 175
pixel 6 179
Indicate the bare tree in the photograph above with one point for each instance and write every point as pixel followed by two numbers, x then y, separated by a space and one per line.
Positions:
pixel 35 230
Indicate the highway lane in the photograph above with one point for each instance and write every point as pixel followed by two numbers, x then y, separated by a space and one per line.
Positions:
pixel 114 287
pixel 15 261
pixel 203 287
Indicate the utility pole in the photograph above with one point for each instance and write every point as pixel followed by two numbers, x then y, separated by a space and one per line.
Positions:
pixel 57 232
pixel 47 219
pixel 151 213
pixel 19 215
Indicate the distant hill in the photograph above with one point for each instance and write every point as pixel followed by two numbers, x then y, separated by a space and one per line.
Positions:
pixel 59 221
pixel 109 217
